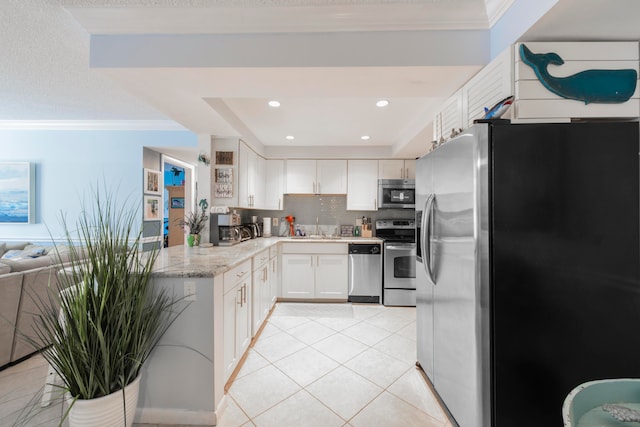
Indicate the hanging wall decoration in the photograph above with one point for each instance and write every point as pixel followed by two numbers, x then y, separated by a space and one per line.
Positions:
pixel 224 183
pixel 17 193
pixel 589 86
pixel 152 182
pixel 224 157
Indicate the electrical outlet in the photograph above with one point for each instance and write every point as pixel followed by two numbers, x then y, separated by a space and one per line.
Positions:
pixel 275 221
pixel 189 290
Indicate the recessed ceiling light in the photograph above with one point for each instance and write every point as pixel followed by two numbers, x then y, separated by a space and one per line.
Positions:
pixel 274 104
pixel 365 137
pixel 382 103
pixel 290 137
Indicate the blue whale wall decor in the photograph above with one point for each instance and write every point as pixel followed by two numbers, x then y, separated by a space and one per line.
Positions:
pixel 599 86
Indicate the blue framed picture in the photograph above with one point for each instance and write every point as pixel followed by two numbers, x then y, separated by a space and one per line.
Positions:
pixel 17 193
pixel 177 203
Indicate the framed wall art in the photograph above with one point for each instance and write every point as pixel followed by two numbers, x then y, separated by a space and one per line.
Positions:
pixel 223 183
pixel 152 182
pixel 152 208
pixel 17 193
pixel 224 157
pixel 177 203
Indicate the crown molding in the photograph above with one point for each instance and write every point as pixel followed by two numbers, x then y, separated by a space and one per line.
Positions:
pixel 96 125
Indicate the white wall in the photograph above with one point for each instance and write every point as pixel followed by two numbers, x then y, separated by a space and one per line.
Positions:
pixel 68 163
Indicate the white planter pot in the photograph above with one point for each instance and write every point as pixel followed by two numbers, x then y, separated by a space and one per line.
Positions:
pixel 106 411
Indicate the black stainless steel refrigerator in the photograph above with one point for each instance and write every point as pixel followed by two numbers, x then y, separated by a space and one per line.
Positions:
pixel 528 271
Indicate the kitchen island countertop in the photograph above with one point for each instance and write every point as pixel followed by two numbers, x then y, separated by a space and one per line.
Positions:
pixel 183 261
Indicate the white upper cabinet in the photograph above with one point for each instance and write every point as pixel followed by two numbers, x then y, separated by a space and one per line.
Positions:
pixel 316 177
pixel 362 185
pixel 251 178
pixel 331 177
pixel 274 185
pixel 396 169
pixel 246 171
pixel 301 176
pixel 410 169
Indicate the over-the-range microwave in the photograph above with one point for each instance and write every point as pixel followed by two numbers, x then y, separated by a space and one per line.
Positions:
pixel 397 193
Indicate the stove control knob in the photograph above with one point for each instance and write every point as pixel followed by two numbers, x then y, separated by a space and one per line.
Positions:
pixel 375 250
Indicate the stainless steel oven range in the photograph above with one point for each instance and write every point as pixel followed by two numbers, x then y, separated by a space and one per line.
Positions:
pixel 399 269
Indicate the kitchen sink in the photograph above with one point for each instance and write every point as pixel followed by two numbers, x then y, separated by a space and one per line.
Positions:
pixel 316 237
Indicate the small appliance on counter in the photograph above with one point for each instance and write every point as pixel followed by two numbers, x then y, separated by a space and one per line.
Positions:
pixel 254 229
pixel 245 233
pixel 224 229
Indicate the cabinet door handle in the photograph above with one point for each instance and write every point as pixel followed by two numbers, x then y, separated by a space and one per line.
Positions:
pixel 244 293
pixel 402 173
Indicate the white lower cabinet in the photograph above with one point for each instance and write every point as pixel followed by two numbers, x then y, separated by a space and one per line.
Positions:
pixel 261 290
pixel 315 271
pixel 274 277
pixel 332 276
pixel 298 276
pixel 237 315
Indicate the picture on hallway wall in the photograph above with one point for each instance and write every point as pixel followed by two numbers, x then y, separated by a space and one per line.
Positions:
pixel 17 193
pixel 152 208
pixel 152 182
pixel 223 183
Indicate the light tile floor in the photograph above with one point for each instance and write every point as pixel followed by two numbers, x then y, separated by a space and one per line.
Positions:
pixel 313 365
pixel 334 365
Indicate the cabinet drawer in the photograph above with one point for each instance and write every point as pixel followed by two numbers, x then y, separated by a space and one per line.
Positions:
pixel 260 259
pixel 314 248
pixel 236 274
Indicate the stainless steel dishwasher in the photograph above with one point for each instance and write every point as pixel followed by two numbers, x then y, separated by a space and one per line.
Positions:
pixel 365 273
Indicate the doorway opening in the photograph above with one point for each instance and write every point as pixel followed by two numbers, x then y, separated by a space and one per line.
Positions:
pixel 178 198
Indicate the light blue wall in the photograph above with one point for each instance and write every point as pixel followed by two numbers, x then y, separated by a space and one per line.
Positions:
pixel 69 163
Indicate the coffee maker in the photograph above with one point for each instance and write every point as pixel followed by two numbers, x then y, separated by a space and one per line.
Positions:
pixel 224 229
pixel 254 227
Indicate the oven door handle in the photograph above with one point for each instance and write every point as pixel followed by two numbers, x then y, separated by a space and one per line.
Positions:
pixel 408 247
pixel 426 235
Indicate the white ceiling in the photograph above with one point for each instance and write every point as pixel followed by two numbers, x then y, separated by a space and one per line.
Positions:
pixel 326 101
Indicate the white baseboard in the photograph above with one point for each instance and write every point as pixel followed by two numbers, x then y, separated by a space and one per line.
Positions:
pixel 175 416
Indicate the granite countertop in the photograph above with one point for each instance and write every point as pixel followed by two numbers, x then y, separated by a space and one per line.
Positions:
pixel 183 261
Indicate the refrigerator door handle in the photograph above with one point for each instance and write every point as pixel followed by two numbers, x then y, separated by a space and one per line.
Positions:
pixel 426 235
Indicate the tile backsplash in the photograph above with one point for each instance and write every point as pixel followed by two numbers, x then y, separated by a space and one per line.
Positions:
pixel 331 212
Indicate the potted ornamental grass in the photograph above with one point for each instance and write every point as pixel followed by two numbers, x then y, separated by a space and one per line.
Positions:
pixel 104 318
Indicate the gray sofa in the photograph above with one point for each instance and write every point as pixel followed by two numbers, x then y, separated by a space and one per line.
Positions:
pixel 23 280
